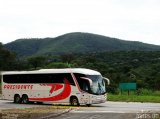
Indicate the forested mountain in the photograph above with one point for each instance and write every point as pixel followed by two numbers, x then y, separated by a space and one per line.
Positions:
pixel 75 43
pixel 141 67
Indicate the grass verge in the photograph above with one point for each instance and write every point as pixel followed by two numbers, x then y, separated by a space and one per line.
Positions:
pixel 134 98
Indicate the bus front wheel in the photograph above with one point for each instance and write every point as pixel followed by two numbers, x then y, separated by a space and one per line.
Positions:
pixel 88 105
pixel 17 99
pixel 74 101
pixel 25 99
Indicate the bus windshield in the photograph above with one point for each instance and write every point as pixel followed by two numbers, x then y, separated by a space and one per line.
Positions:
pixel 98 86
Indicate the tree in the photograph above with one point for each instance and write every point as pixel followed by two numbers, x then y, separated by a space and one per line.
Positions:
pixel 7 59
pixel 1 45
pixel 37 61
pixel 67 58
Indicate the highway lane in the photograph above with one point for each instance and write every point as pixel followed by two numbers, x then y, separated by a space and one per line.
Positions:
pixel 108 106
pixel 95 116
pixel 109 110
pixel 123 107
pixel 114 110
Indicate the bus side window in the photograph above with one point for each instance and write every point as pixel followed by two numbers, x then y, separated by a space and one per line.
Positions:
pixel 85 87
pixel 69 78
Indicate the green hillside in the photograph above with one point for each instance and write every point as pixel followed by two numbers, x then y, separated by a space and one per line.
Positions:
pixel 141 67
pixel 75 43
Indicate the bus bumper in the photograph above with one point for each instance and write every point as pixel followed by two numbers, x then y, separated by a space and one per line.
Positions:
pixel 98 99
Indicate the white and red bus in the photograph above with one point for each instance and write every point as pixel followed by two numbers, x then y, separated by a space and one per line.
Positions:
pixel 73 86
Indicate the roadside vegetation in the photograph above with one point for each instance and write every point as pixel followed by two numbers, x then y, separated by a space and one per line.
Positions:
pixel 140 67
pixel 143 96
pixel 134 98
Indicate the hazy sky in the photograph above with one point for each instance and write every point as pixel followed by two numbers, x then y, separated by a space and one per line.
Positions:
pixel 137 20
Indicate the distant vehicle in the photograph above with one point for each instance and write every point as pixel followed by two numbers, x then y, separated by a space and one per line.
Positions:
pixel 73 86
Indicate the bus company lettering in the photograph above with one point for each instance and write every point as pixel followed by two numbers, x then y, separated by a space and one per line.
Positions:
pixel 26 87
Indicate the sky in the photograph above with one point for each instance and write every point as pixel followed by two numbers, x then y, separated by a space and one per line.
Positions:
pixel 134 20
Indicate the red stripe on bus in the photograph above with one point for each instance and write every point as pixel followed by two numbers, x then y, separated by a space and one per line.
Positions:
pixel 64 94
pixel 54 87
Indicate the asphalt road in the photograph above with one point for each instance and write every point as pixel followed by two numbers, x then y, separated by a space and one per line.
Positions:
pixel 122 107
pixel 114 110
pixel 4 104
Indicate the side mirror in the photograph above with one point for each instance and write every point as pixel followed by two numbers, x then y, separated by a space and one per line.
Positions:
pixel 88 79
pixel 108 81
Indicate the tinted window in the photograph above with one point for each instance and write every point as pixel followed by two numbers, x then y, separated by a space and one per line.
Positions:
pixel 83 84
pixel 38 78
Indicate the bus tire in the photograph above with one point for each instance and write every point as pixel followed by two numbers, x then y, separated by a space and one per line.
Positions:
pixel 25 99
pixel 74 101
pixel 39 102
pixel 17 98
pixel 88 105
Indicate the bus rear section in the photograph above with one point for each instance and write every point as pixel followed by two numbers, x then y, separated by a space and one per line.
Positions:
pixel 44 87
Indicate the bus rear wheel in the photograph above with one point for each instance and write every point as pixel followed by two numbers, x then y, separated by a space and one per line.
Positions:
pixel 74 101
pixel 17 99
pixel 25 99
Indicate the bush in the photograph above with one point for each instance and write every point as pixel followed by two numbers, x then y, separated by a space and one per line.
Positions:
pixel 59 65
pixel 112 89
pixel 156 93
pixel 146 92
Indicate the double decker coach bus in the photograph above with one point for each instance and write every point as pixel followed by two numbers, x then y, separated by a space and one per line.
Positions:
pixel 73 86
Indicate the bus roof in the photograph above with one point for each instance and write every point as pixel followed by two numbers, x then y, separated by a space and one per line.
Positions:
pixel 65 70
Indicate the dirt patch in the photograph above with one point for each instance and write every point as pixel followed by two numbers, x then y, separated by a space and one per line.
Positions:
pixel 32 113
